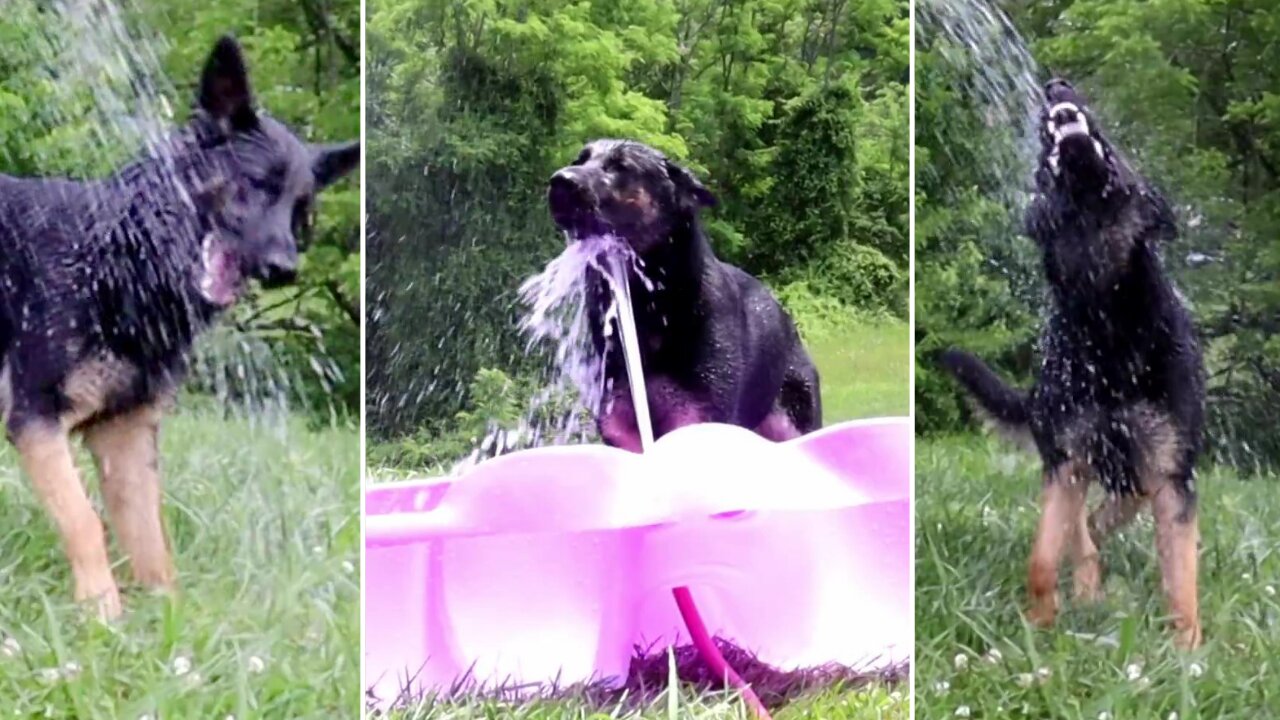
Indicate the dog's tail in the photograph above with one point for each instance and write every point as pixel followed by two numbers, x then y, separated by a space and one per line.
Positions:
pixel 999 404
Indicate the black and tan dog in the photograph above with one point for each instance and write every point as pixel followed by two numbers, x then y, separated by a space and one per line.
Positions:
pixel 1119 399
pixel 104 285
pixel 714 343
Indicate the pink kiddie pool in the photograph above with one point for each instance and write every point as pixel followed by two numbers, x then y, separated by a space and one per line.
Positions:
pixel 552 565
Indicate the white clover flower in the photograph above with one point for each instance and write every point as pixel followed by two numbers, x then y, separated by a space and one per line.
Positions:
pixel 181 665
pixel 961 661
pixel 10 648
pixel 1043 673
pixel 1133 671
pixel 1246 577
pixel 1104 715
pixel 1025 680
pixel 1195 669
pixel 256 664
pixel 50 674
pixel 348 567
pixel 993 656
pixel 962 711
pixel 941 687
pixel 1173 715
pixel 71 669
pixel 1270 590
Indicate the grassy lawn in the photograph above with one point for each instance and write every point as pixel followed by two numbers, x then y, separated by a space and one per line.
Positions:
pixel 264 523
pixel 976 506
pixel 864 370
pixel 875 703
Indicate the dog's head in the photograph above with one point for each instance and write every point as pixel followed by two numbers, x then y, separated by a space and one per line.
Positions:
pixel 1076 156
pixel 261 198
pixel 627 189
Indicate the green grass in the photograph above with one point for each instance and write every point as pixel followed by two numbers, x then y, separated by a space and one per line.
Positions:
pixel 863 368
pixel 263 519
pixel 874 703
pixel 976 505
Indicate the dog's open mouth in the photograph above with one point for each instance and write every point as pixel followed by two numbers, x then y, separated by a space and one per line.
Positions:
pixel 221 278
pixel 1069 128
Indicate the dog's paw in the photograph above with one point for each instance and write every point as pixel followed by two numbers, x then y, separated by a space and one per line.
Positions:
pixel 1043 610
pixel 1187 635
pixel 1087 583
pixel 104 605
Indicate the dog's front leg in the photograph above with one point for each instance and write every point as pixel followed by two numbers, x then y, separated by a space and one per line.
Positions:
pixel 45 449
pixel 1177 535
pixel 125 449
pixel 1061 520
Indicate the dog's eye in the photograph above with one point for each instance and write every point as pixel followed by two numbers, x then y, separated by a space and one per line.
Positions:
pixel 269 184
pixel 618 165
pixel 302 218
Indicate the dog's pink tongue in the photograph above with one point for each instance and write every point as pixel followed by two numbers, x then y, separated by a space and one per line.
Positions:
pixel 220 277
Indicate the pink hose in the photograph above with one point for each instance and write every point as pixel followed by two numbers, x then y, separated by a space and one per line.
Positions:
pixel 711 654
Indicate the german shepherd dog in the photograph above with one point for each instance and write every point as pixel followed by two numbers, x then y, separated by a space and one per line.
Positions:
pixel 714 343
pixel 1120 395
pixel 104 285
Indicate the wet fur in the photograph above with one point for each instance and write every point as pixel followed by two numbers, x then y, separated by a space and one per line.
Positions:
pixel 100 302
pixel 715 344
pixel 1119 398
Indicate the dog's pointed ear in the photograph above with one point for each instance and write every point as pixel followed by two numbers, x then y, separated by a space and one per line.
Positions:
pixel 331 162
pixel 689 188
pixel 224 86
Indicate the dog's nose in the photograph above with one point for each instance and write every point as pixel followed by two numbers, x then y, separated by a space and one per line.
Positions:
pixel 1059 90
pixel 277 269
pixel 566 191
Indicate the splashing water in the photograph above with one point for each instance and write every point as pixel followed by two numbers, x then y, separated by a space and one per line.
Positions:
pixel 1000 77
pixel 621 287
pixel 559 302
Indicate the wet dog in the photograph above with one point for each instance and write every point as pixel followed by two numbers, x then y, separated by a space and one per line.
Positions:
pixel 714 343
pixel 104 285
pixel 1119 399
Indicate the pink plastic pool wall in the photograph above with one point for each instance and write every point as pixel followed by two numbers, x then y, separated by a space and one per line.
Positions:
pixel 552 565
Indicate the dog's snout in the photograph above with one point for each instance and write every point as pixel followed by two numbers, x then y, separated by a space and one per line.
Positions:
pixel 1058 90
pixel 567 192
pixel 277 269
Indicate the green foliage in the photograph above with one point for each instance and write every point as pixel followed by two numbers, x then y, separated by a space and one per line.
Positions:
pixel 1189 89
pixel 59 92
pixel 793 112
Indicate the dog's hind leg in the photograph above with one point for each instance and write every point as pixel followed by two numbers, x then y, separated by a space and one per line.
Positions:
pixel 1086 564
pixel 1177 534
pixel 45 449
pixel 1061 519
pixel 124 448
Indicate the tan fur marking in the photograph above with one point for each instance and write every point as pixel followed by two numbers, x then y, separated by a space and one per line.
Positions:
pixel 1061 502
pixel 641 200
pixel 124 448
pixel 46 458
pixel 1176 544
pixel 1087 566
pixel 89 385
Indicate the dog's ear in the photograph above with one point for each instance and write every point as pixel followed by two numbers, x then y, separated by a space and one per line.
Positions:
pixel 688 188
pixel 330 162
pixel 224 87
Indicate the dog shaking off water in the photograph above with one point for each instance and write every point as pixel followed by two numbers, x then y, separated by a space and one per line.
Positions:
pixel 714 343
pixel 1120 395
pixel 104 286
